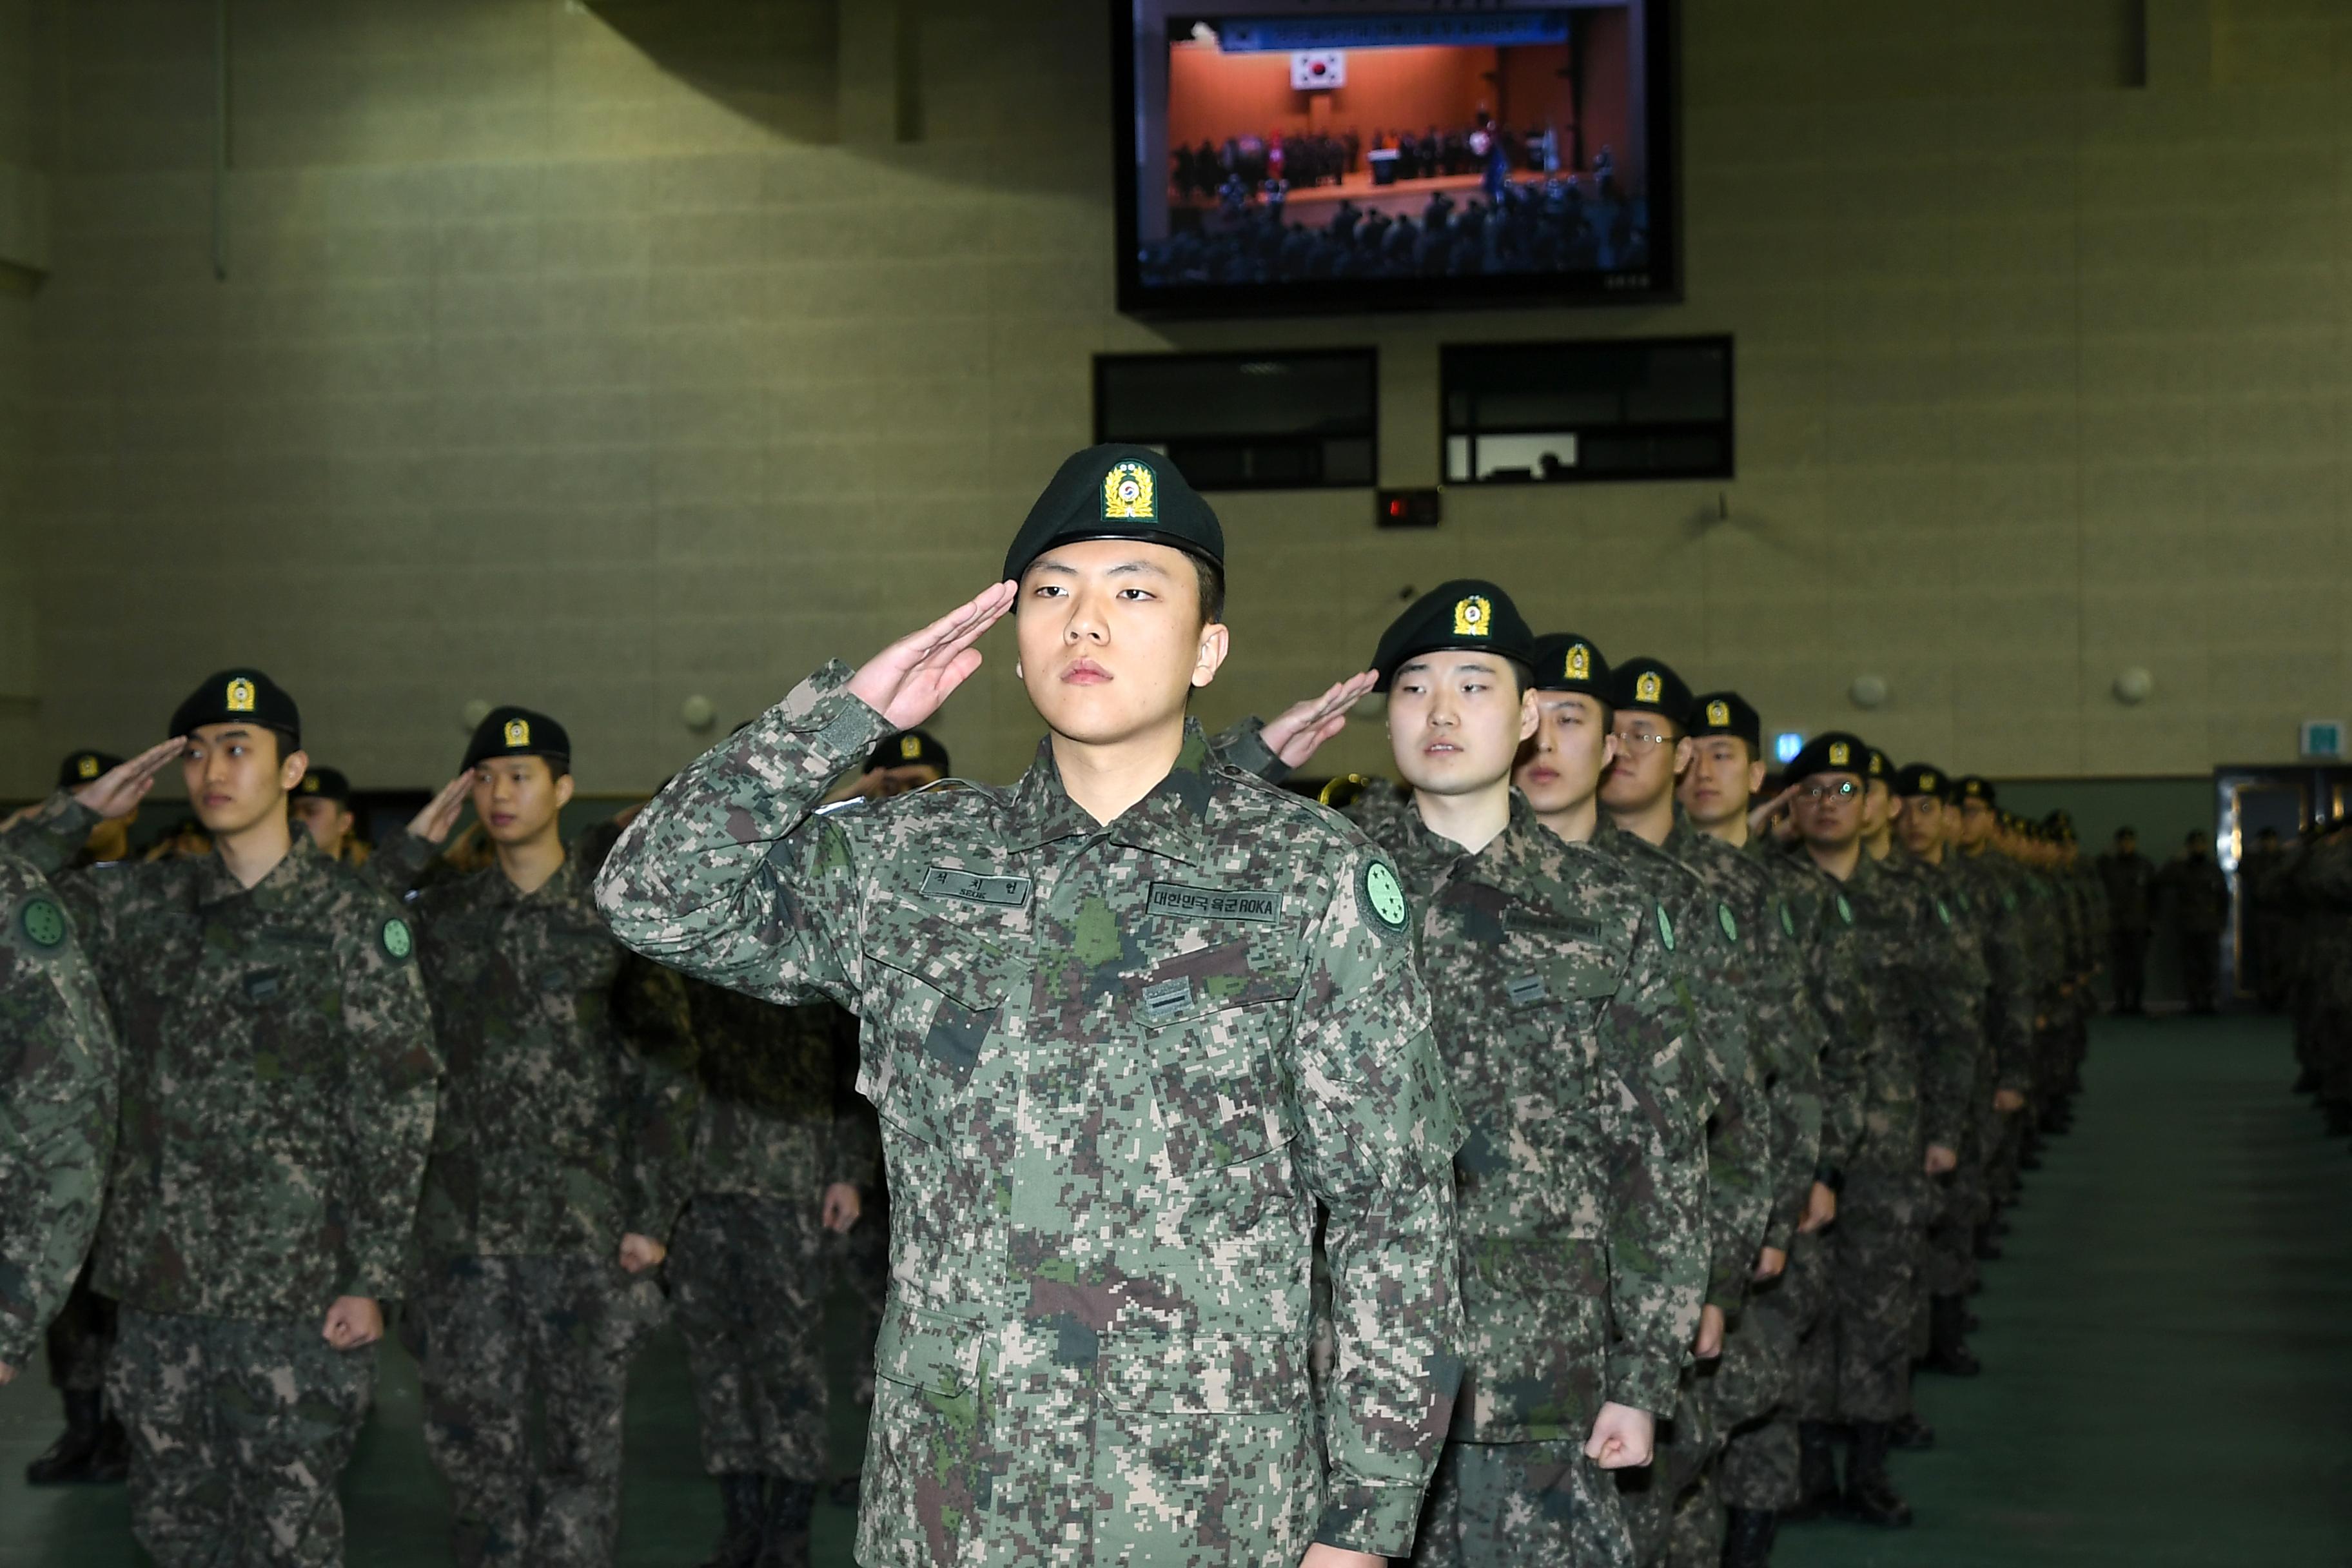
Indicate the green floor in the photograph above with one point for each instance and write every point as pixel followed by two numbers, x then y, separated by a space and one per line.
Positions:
pixel 2169 1380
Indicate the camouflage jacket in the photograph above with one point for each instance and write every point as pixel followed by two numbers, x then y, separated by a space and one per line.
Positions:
pixel 1926 1012
pixel 1836 974
pixel 1785 1034
pixel 1705 955
pixel 1116 1068
pixel 57 1073
pixel 567 1112
pixel 1983 898
pixel 775 1122
pixel 278 1073
pixel 1582 1186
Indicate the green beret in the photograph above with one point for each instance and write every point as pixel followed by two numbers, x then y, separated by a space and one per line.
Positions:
pixel 1117 492
pixel 1836 751
pixel 240 697
pixel 516 732
pixel 1727 713
pixel 84 767
pixel 1649 686
pixel 1465 614
pixel 1567 661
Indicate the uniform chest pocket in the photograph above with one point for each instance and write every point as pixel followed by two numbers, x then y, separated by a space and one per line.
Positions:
pixel 1214 1020
pixel 285 983
pixel 934 998
pixel 1557 975
pixel 575 963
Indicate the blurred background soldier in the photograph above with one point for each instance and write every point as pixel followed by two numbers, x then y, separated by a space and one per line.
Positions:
pixel 2128 879
pixel 323 804
pixel 2200 909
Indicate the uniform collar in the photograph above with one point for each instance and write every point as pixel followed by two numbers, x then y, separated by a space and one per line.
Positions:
pixel 1171 819
pixel 285 884
pixel 565 886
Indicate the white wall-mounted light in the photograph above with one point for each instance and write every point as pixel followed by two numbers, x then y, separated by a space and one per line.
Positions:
pixel 2134 687
pixel 699 713
pixel 1867 691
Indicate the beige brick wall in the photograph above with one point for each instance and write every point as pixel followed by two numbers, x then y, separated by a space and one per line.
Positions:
pixel 599 355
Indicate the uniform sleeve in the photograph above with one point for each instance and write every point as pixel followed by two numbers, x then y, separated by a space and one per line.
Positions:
pixel 1655 1232
pixel 730 875
pixel 57 1107
pixel 399 863
pixel 1945 993
pixel 2008 994
pixel 53 834
pixel 1791 1032
pixel 391 1078
pixel 665 1095
pixel 1739 1129
pixel 1378 1130
pixel 1840 992
pixel 1242 745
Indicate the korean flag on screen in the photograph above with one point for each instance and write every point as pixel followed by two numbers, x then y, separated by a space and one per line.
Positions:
pixel 1312 69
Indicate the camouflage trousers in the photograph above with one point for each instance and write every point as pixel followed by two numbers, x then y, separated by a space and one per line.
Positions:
pixel 1506 1504
pixel 510 1338
pixel 1759 1467
pixel 239 1430
pixel 1856 1363
pixel 80 1338
pixel 749 1279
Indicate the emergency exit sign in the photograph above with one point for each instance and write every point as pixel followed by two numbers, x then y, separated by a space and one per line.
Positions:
pixel 2323 737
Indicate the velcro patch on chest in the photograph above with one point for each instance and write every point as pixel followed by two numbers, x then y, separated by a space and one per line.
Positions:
pixel 1526 990
pixel 1178 901
pixel 1167 1000
pixel 262 986
pixel 970 888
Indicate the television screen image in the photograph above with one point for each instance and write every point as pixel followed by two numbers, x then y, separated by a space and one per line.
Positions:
pixel 1279 156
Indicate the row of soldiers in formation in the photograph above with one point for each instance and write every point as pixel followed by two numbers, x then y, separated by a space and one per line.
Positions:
pixel 1553 1158
pixel 2300 898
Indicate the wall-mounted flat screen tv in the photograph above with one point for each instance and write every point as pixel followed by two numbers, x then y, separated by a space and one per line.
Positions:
pixel 1350 154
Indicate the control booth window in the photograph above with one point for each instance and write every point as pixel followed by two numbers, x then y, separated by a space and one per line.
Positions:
pixel 1621 408
pixel 1255 421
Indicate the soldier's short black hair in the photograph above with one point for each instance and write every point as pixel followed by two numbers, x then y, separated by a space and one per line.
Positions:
pixel 1211 578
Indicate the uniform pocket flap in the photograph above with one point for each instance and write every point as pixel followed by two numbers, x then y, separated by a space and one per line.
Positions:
pixel 946 957
pixel 1212 980
pixel 930 1351
pixel 1204 1373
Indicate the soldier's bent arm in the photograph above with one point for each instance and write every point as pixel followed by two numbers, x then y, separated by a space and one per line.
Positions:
pixel 1379 1129
pixel 390 1080
pixel 730 873
pixel 1657 1227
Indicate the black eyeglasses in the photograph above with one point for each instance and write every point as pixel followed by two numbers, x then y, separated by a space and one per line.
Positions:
pixel 1844 789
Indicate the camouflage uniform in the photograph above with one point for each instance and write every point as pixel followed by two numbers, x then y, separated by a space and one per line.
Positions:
pixel 1836 1014
pixel 750 1272
pixel 1756 1371
pixel 1858 1363
pixel 1726 1089
pixel 278 1079
pixel 564 1125
pixel 59 1064
pixel 1582 1183
pixel 1116 1067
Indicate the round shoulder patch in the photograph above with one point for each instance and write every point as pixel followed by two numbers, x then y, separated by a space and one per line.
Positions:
pixel 1730 926
pixel 1788 920
pixel 42 923
pixel 397 938
pixel 1943 914
pixel 1665 928
pixel 2008 901
pixel 1845 910
pixel 1960 896
pixel 1384 894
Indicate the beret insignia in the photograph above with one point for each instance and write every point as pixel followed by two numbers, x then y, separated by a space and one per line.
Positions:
pixel 1128 493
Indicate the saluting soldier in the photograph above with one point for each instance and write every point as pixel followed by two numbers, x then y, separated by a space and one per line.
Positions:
pixel 322 805
pixel 1127 1024
pixel 560 1160
pixel 1565 1020
pixel 278 1078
